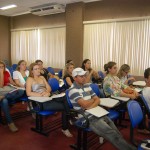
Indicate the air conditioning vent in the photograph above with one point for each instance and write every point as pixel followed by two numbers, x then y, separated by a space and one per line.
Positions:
pixel 47 9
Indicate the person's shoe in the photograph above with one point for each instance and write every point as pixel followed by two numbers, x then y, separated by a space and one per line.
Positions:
pixel 67 133
pixel 144 131
pixel 12 127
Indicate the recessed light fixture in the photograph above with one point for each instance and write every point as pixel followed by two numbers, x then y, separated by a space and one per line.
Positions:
pixel 8 7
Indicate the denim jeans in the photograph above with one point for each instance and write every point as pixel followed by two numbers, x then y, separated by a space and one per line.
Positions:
pixel 59 104
pixel 105 127
pixel 5 104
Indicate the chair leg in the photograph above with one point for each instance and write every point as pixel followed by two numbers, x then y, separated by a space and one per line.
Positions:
pixel 84 140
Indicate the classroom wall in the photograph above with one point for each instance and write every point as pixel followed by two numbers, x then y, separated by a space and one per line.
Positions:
pixel 32 21
pixel 112 9
pixel 75 14
pixel 4 38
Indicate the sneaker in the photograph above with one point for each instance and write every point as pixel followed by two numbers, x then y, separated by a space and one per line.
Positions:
pixel 67 133
pixel 12 127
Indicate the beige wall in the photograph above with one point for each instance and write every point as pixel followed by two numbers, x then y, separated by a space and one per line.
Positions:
pixel 31 21
pixel 74 33
pixel 4 38
pixel 110 9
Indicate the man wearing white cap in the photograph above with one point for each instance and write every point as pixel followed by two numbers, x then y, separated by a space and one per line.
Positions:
pixel 82 97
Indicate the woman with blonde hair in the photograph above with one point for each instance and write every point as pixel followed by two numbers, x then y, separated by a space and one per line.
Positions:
pixel 124 76
pixel 37 85
pixel 21 73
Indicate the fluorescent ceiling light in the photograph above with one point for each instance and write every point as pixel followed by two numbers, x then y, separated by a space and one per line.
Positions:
pixel 8 7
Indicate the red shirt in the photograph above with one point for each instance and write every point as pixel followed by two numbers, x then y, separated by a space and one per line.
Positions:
pixel 6 78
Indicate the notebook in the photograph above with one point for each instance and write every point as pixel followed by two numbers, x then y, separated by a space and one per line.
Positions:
pixel 98 111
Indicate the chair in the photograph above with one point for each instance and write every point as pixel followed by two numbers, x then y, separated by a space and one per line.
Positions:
pixel 113 115
pixel 82 128
pixel 146 109
pixel 54 84
pixel 136 117
pixel 10 70
pixel 51 70
pixel 101 74
pixel 60 74
pixel 14 66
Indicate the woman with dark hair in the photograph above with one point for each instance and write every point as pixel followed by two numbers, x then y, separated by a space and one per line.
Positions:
pixel 86 65
pixel 44 72
pixel 37 85
pixel 21 73
pixel 5 80
pixel 124 76
pixel 112 84
pixel 68 74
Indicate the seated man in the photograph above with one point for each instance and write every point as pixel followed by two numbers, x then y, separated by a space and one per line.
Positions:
pixel 82 97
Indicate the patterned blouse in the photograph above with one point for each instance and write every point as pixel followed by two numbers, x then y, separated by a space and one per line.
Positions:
pixel 113 86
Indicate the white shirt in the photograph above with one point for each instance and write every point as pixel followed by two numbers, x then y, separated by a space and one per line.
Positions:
pixel 18 75
pixel 146 94
pixel 123 79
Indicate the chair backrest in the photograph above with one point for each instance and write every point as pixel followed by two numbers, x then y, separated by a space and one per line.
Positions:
pixel 145 103
pixel 10 70
pixel 135 113
pixel 60 74
pixel 51 70
pixel 95 89
pixel 68 100
pixel 101 74
pixel 54 84
pixel 14 66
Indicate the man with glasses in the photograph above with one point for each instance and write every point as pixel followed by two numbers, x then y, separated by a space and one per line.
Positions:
pixel 82 98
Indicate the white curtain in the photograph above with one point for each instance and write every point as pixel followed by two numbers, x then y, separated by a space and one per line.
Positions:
pixel 45 44
pixel 120 41
pixel 24 45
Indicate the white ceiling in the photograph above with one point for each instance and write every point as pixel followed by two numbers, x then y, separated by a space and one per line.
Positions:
pixel 23 6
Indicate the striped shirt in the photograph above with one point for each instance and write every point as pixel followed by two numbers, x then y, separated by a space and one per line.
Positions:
pixel 77 92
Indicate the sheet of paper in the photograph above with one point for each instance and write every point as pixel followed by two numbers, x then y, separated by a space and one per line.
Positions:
pixel 108 102
pixel 98 111
pixel 125 99
pixel 139 83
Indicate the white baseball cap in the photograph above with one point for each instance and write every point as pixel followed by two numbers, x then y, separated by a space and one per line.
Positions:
pixel 79 72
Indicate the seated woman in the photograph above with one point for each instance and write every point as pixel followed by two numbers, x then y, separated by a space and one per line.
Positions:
pixel 21 73
pixel 5 80
pixel 124 76
pixel 112 84
pixel 86 65
pixel 36 85
pixel 68 74
pixel 44 72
